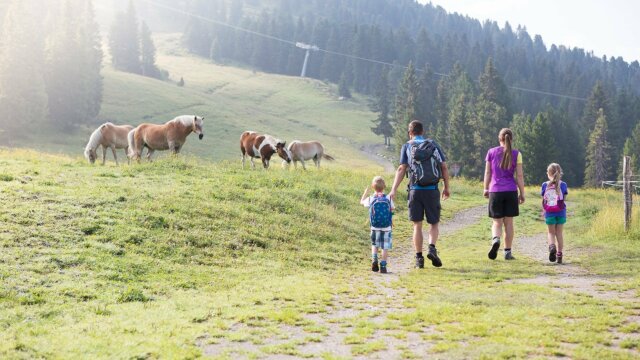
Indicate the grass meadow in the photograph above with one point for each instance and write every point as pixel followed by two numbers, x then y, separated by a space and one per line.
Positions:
pixel 150 260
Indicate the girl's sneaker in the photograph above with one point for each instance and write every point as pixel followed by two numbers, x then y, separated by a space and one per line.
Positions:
pixel 559 258
pixel 552 252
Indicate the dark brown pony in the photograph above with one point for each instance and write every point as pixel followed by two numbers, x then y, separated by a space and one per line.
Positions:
pixel 170 136
pixel 262 146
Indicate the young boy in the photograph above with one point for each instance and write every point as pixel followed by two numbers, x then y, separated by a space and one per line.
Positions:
pixel 380 212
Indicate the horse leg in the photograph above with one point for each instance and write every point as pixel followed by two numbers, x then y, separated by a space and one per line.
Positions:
pixel 126 152
pixel 253 165
pixel 317 161
pixel 115 157
pixel 265 163
pixel 149 153
pixel 304 167
pixel 243 161
pixel 104 154
pixel 295 164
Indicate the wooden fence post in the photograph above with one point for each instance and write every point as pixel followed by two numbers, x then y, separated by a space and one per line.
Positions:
pixel 627 191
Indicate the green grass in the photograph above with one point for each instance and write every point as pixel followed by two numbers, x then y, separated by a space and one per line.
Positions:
pixel 159 254
pixel 151 260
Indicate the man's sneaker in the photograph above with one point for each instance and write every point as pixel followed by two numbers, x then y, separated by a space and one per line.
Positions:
pixel 508 256
pixel 552 253
pixel 559 258
pixel 433 256
pixel 383 269
pixel 495 245
pixel 420 262
pixel 374 265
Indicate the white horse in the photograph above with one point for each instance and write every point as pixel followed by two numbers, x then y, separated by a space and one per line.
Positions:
pixel 107 136
pixel 301 151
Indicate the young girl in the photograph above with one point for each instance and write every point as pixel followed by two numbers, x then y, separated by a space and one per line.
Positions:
pixel 554 193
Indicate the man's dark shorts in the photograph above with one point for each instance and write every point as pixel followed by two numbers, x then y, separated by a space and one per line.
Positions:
pixel 503 204
pixel 424 203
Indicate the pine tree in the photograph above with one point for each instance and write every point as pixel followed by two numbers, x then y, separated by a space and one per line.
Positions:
pixel 91 46
pixel 534 138
pixel 405 105
pixel 23 99
pixel 598 156
pixel 65 77
pixel 383 107
pixel 491 115
pixel 632 148
pixel 148 53
pixel 124 42
pixel 442 114
pixel 597 100
pixel 461 110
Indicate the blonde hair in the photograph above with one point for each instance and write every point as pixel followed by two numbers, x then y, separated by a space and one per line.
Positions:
pixel 506 136
pixel 378 183
pixel 556 171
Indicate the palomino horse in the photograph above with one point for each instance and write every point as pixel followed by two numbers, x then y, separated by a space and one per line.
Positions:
pixel 170 136
pixel 107 136
pixel 301 151
pixel 262 146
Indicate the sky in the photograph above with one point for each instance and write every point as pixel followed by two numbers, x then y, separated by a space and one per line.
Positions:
pixel 608 27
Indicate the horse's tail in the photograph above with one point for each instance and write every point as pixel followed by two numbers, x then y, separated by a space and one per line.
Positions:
pixel 328 157
pixel 131 141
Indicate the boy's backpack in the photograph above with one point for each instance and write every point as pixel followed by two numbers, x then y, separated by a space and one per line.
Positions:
pixel 552 199
pixel 425 169
pixel 380 212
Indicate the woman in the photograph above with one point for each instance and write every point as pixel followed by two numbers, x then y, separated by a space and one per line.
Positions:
pixel 503 167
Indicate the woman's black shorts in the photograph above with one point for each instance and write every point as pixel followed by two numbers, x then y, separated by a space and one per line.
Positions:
pixel 503 204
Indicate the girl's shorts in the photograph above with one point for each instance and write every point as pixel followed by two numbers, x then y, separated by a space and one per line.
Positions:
pixel 555 220
pixel 381 239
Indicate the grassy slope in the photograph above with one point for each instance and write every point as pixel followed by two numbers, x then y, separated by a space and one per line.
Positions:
pixel 232 100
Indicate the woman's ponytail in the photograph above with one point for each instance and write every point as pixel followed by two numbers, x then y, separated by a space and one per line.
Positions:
pixel 506 136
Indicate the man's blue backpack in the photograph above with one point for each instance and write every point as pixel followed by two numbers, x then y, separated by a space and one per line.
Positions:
pixel 380 212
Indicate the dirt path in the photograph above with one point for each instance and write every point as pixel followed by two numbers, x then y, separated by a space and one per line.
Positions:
pixel 572 277
pixel 342 318
pixel 337 332
pixel 375 153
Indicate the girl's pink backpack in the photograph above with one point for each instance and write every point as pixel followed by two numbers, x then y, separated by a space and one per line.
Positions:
pixel 553 199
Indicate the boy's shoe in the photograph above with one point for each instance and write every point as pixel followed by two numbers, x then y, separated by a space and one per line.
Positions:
pixel 433 256
pixel 420 262
pixel 495 245
pixel 552 253
pixel 559 258
pixel 374 266
pixel 508 256
pixel 383 269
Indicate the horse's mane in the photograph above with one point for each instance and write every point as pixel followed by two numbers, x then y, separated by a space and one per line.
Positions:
pixel 186 120
pixel 95 139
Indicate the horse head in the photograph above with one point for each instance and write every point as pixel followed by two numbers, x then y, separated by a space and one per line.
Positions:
pixel 197 126
pixel 282 151
pixel 91 155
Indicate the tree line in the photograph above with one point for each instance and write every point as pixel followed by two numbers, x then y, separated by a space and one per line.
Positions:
pixel 51 59
pixel 49 69
pixel 465 116
pixel 457 71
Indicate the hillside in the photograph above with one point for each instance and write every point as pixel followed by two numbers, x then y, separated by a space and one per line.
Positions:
pixel 232 100
pixel 184 258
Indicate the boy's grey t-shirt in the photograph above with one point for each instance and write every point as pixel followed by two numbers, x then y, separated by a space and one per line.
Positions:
pixel 367 203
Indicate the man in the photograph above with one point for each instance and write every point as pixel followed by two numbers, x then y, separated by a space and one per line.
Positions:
pixel 424 201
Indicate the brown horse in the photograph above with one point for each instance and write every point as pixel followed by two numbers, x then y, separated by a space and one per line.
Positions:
pixel 108 136
pixel 301 151
pixel 262 146
pixel 170 136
